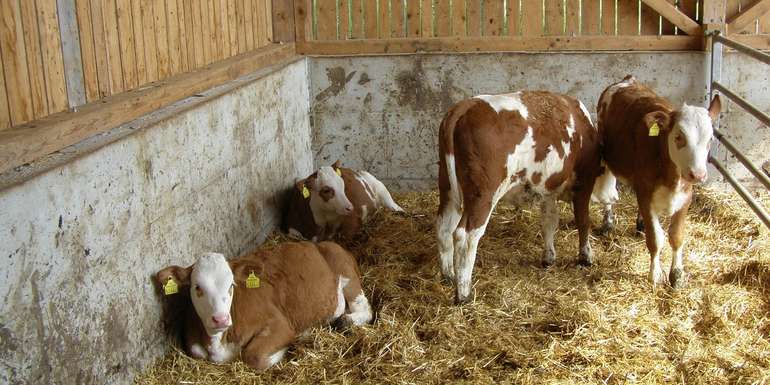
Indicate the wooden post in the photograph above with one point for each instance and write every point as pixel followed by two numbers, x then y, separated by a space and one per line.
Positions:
pixel 283 21
pixel 713 19
pixel 303 20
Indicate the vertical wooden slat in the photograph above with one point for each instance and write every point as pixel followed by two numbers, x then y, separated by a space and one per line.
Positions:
pixel 458 18
pixel 573 18
pixel 443 25
pixel 232 24
pixel 326 21
pixel 412 18
pixel 269 21
pixel 109 16
pixel 206 18
pixel 493 18
pixel 211 31
pixel 732 8
pixel 34 59
pixel 532 18
pixel 764 24
pixel 249 30
pixel 150 41
pixel 397 18
pixel 357 13
pixel 259 23
pixel 650 21
pixel 53 62
pixel 183 38
pixel 126 43
pixel 5 113
pixel 13 52
pixel 224 30
pixel 608 17
pixel 240 25
pixel 666 27
pixel 87 53
pixel 473 12
pixel 426 18
pixel 628 18
pixel 554 17
pixel 283 27
pixel 384 17
pixel 512 13
pixel 591 18
pixel 70 50
pixel 138 33
pixel 100 48
pixel 216 32
pixel 370 18
pixel 161 37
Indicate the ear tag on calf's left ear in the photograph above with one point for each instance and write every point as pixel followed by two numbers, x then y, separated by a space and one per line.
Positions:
pixel 338 171
pixel 252 282
pixel 170 287
pixel 654 129
pixel 305 192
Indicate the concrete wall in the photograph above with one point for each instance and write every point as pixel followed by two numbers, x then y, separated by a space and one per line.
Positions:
pixel 382 113
pixel 80 242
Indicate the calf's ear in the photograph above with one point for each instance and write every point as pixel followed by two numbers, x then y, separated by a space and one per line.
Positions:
pixel 180 275
pixel 336 164
pixel 663 120
pixel 715 107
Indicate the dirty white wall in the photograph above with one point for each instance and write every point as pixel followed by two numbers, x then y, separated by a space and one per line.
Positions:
pixel 80 242
pixel 382 113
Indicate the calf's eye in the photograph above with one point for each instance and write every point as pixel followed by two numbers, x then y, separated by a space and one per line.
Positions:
pixel 198 291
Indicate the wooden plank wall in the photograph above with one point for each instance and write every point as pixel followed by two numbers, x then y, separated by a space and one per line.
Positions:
pixel 124 45
pixel 386 19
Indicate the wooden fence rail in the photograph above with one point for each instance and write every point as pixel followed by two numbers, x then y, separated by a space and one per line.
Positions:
pixel 62 53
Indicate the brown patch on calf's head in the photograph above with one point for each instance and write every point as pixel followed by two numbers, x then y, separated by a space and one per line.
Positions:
pixel 663 119
pixel 180 275
pixel 536 177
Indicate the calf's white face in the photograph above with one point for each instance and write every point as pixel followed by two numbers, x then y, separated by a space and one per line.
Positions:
pixel 211 290
pixel 329 192
pixel 690 140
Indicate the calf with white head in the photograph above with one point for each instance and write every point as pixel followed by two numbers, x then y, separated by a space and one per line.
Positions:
pixel 255 306
pixel 334 200
pixel 661 152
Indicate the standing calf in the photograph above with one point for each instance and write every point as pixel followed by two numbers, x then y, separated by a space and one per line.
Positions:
pixel 255 306
pixel 492 144
pixel 661 152
pixel 334 200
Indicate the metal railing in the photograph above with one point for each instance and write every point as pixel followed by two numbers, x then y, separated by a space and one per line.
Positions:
pixel 717 41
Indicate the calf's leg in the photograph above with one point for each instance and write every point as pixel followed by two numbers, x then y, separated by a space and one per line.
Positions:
pixel 653 234
pixel 550 222
pixel 580 204
pixel 676 234
pixel 472 225
pixel 268 346
pixel 446 224
pixel 358 312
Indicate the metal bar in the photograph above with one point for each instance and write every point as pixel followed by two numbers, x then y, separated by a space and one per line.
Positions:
pixel 761 213
pixel 754 111
pixel 742 158
pixel 715 75
pixel 756 54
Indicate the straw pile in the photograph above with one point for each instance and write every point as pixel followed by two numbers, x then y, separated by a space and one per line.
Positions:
pixel 529 325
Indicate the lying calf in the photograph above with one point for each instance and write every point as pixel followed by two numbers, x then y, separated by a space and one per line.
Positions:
pixel 255 306
pixel 334 200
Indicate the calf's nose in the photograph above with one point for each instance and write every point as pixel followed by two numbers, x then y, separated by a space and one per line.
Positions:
pixel 698 175
pixel 221 320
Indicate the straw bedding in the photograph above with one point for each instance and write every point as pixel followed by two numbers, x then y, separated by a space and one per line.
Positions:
pixel 529 325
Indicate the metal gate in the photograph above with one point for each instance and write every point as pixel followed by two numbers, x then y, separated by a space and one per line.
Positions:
pixel 717 43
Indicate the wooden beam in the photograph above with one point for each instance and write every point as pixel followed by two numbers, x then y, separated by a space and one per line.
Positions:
pixel 500 44
pixel 714 11
pixel 742 20
pixel 675 16
pixel 283 21
pixel 760 42
pixel 33 140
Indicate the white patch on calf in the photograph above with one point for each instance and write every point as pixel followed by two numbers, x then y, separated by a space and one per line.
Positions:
pixel 295 234
pixel 585 112
pixel 694 124
pixel 328 212
pixel 211 284
pixel 571 126
pixel 605 189
pixel 666 201
pixel 508 102
pixel 610 92
pixel 340 309
pixel 276 357
pixel 381 195
pixel 220 352
pixel 360 311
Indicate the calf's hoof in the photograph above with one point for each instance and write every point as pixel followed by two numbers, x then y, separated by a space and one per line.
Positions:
pixel 639 226
pixel 657 277
pixel 447 279
pixel 585 260
pixel 462 299
pixel 605 229
pixel 549 257
pixel 677 278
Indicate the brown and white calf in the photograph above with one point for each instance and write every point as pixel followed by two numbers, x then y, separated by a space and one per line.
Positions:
pixel 492 144
pixel 300 285
pixel 334 200
pixel 661 152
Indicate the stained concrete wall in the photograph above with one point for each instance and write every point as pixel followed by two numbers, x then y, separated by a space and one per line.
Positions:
pixel 79 243
pixel 382 113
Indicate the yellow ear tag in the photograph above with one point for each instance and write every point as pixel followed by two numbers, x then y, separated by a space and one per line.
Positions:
pixel 253 281
pixel 170 287
pixel 339 172
pixel 654 129
pixel 305 192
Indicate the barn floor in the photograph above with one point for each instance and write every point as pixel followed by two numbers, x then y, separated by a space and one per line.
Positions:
pixel 564 324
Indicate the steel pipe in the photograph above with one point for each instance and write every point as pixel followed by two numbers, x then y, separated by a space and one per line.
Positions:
pixel 756 54
pixel 750 108
pixel 756 207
